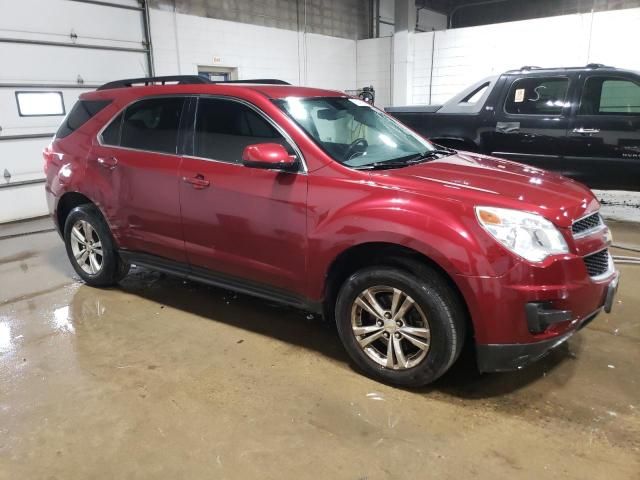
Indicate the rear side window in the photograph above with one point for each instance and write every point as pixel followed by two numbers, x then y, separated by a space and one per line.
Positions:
pixel 81 112
pixel 151 125
pixel 537 96
pixel 476 95
pixel 111 134
pixel 224 128
pixel 610 96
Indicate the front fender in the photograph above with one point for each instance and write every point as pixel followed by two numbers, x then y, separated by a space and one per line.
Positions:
pixel 443 230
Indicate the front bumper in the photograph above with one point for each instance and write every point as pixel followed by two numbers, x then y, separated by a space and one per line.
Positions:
pixel 507 357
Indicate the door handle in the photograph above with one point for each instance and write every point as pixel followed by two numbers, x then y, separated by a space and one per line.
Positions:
pixel 586 131
pixel 508 127
pixel 198 182
pixel 108 162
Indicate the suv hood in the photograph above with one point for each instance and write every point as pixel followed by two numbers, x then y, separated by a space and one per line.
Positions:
pixel 491 181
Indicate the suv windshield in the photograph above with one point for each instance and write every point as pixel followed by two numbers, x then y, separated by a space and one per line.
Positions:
pixel 357 135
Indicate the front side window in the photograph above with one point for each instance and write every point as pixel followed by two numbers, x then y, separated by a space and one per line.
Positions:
pixel 151 125
pixel 610 96
pixel 352 132
pixel 225 127
pixel 537 96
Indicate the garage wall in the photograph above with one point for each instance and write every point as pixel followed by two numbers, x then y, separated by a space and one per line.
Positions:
pixel 344 18
pixel 463 56
pixel 183 42
pixel 374 67
pixel 64 67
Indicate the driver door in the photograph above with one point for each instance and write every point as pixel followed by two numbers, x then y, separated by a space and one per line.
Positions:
pixel 240 222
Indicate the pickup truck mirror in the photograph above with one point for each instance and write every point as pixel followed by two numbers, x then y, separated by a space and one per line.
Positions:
pixel 269 156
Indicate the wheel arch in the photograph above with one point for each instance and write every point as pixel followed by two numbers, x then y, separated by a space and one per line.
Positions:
pixel 70 200
pixel 389 254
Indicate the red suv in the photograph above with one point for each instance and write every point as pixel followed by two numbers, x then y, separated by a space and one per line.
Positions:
pixel 318 200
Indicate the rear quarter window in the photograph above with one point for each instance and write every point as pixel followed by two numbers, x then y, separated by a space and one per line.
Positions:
pixel 80 114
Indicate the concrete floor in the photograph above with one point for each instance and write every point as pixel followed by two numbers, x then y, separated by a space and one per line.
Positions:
pixel 166 379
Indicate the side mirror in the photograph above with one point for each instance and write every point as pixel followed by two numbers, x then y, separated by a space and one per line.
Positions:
pixel 270 156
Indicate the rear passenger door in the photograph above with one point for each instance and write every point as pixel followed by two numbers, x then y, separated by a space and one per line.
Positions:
pixel 241 222
pixel 136 166
pixel 532 120
pixel 603 147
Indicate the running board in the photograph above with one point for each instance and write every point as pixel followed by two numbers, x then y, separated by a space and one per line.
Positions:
pixel 221 280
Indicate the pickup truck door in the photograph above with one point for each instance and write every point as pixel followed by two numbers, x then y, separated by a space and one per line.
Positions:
pixel 603 143
pixel 531 119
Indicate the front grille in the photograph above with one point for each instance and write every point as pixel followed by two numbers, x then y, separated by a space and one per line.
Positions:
pixel 586 223
pixel 597 263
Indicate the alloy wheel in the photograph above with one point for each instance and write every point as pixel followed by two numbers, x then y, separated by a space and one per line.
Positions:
pixel 390 327
pixel 86 247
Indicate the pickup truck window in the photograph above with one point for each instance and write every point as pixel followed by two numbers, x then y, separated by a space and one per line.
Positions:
pixel 476 95
pixel 610 96
pixel 537 96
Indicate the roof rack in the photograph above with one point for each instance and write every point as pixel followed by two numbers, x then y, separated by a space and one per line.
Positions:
pixel 182 80
pixel 596 65
pixel 262 81
pixel 530 67
pixel 179 79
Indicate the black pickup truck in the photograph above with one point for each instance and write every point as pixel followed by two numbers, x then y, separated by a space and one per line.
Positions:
pixel 583 122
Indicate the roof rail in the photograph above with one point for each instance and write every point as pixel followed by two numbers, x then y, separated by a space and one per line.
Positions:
pixel 180 79
pixel 596 65
pixel 183 80
pixel 263 81
pixel 530 67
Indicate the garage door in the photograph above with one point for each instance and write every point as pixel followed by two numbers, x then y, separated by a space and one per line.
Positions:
pixel 51 51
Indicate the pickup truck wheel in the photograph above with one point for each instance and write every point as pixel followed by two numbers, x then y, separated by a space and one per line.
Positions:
pixel 399 328
pixel 91 248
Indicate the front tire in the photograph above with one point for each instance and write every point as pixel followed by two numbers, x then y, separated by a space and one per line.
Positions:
pixel 91 248
pixel 400 328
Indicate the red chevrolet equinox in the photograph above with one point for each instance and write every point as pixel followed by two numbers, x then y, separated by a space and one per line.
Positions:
pixel 315 199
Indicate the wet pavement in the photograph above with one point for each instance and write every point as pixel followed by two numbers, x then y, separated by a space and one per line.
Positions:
pixel 162 378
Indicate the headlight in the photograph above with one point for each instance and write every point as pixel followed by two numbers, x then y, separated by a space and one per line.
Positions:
pixel 531 236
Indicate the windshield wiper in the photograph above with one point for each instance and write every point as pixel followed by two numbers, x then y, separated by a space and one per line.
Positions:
pixel 406 161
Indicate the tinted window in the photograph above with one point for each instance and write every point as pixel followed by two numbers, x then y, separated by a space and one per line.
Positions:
pixel 81 112
pixel 607 96
pixel 111 134
pixel 224 128
pixel 537 96
pixel 152 125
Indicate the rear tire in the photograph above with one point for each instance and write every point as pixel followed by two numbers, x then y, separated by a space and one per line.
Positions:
pixel 91 248
pixel 422 317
